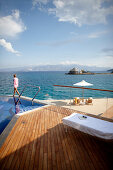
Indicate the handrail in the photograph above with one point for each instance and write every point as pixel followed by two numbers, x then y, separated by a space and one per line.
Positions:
pixel 30 86
pixel 84 88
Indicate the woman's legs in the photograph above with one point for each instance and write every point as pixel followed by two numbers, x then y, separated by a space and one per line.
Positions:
pixel 15 90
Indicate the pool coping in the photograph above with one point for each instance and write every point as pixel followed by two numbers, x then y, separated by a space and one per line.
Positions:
pixel 14 119
pixel 8 129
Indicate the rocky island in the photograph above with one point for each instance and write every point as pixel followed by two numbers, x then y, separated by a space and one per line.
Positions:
pixel 111 70
pixel 76 71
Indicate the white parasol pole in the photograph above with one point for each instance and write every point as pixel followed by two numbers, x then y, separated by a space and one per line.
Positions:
pixel 82 84
pixel 83 94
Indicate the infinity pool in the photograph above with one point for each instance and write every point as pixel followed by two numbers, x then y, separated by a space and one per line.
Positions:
pixel 9 106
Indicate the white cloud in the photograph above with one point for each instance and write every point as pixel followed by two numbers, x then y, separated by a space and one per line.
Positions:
pixel 109 57
pixel 109 60
pixel 8 46
pixel 107 53
pixel 59 4
pixel 11 25
pixel 107 50
pixel 106 61
pixel 35 2
pixel 97 34
pixel 79 11
pixel 58 43
pixel 77 63
pixel 68 62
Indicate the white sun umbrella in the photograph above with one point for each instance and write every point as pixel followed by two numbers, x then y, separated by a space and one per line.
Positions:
pixel 82 84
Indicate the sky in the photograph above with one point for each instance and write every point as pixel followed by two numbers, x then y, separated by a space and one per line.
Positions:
pixel 42 32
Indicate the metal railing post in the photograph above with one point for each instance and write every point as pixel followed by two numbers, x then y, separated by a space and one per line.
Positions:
pixel 34 95
pixel 22 91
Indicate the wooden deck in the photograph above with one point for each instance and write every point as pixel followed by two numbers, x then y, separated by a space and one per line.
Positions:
pixel 39 141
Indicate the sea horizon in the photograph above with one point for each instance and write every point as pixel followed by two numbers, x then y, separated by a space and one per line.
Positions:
pixel 46 80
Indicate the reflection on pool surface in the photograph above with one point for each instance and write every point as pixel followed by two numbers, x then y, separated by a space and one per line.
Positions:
pixel 9 106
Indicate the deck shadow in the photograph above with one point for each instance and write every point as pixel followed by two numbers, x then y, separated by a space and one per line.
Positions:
pixel 46 145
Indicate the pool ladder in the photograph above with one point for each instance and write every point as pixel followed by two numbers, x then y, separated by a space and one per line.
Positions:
pixel 31 86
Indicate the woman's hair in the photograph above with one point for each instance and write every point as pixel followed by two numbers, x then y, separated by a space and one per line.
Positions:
pixel 14 75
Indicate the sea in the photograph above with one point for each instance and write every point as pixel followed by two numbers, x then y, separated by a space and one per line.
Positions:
pixel 47 79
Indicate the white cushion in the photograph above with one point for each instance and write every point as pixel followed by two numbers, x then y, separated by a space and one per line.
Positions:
pixel 90 125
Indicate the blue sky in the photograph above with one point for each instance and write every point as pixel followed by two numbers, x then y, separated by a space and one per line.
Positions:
pixel 41 32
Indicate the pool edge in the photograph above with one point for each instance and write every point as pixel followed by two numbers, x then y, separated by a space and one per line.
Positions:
pixel 14 119
pixel 8 129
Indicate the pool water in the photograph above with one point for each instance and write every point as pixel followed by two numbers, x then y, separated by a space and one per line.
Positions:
pixel 10 106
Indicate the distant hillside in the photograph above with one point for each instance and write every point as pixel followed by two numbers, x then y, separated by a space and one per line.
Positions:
pixel 111 70
pixel 57 67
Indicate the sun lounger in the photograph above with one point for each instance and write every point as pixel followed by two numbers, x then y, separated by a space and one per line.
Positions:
pixel 89 100
pixel 76 101
pixel 93 126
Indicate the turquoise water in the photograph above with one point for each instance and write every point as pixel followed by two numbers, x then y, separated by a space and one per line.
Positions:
pixel 46 80
pixel 10 106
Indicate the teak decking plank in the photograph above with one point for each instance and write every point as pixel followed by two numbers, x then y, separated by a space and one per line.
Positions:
pixel 49 141
pixel 14 156
pixel 24 148
pixel 71 146
pixel 86 145
pixel 22 152
pixel 60 154
pixel 29 145
pixel 91 150
pixel 37 147
pixel 34 138
pixel 101 161
pixel 82 141
pixel 73 151
pixel 8 141
pixel 65 134
pixel 54 163
pixel 65 151
pixel 44 142
pixel 41 157
pixel 39 141
pixel 12 148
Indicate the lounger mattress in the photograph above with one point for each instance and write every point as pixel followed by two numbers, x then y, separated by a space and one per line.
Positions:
pixel 93 126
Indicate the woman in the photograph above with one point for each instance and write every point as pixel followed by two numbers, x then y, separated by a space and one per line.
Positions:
pixel 15 81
